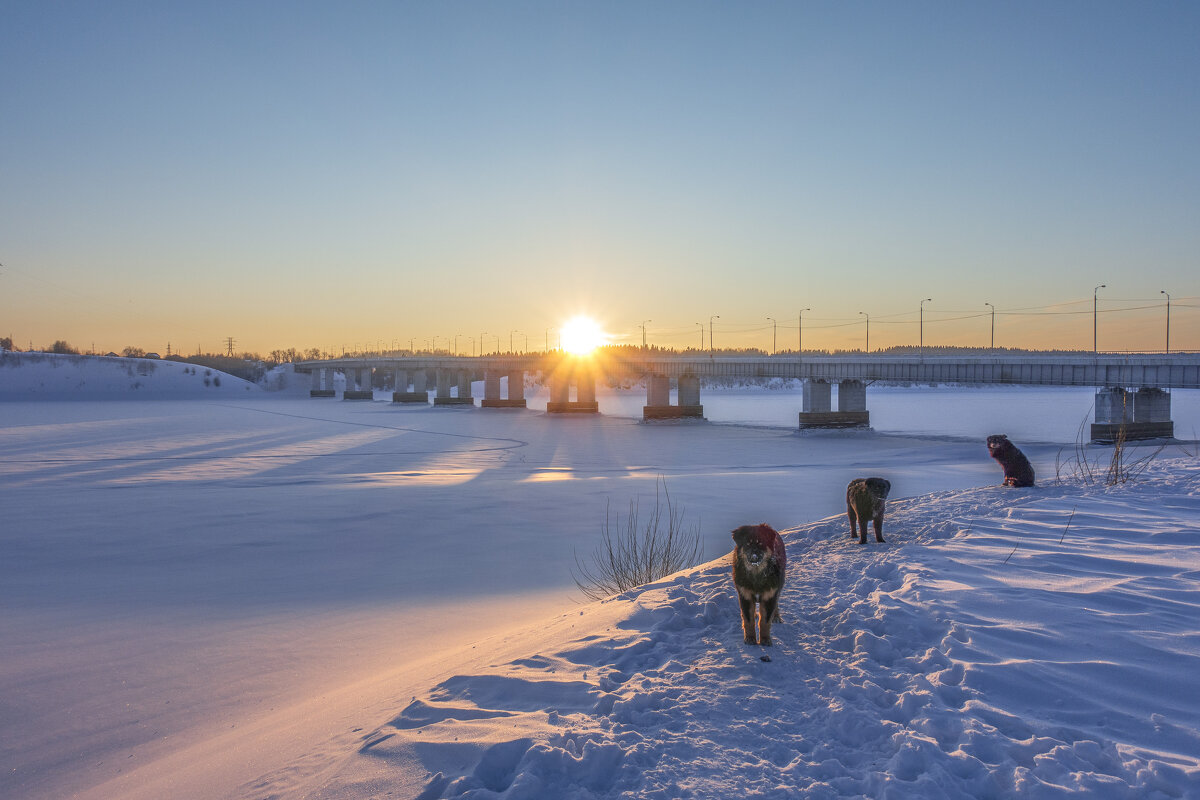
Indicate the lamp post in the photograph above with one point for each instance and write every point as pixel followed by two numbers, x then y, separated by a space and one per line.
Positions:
pixel 456 343
pixel 800 330
pixel 1164 291
pixel 481 335
pixel 922 339
pixel 510 333
pixel 774 332
pixel 711 347
pixel 993 344
pixel 1095 307
pixel 525 347
pixel 644 332
pixel 868 316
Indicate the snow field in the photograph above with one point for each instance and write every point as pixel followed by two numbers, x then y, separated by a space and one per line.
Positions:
pixel 925 667
pixel 230 597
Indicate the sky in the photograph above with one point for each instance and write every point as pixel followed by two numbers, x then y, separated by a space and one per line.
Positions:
pixel 308 174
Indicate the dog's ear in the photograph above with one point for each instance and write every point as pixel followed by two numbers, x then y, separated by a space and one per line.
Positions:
pixel 741 535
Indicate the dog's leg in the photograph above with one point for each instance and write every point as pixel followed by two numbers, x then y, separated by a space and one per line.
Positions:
pixel 747 619
pixel 879 527
pixel 770 607
pixel 862 527
pixel 853 521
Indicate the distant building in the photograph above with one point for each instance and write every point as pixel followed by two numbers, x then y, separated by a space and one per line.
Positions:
pixel 152 355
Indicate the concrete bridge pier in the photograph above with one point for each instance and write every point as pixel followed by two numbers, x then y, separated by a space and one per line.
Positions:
pixel 448 377
pixel 658 398
pixel 1144 414
pixel 418 394
pixel 585 392
pixel 816 411
pixel 363 391
pixel 322 383
pixel 491 390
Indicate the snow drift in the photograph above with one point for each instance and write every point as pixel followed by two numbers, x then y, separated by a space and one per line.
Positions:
pixel 1033 643
pixel 50 376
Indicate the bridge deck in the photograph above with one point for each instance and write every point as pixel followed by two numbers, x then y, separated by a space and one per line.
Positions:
pixel 1133 371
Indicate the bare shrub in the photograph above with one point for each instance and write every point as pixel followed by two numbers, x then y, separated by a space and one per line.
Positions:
pixel 632 553
pixel 1119 468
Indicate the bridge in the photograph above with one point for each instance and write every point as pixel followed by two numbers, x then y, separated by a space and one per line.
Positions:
pixel 1132 398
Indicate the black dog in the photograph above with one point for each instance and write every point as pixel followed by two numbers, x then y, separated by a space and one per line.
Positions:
pixel 1017 469
pixel 759 567
pixel 866 500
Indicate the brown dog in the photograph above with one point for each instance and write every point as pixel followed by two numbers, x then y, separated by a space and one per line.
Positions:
pixel 865 500
pixel 1017 469
pixel 759 567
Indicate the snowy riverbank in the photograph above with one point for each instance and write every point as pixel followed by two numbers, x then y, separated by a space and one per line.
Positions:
pixel 277 597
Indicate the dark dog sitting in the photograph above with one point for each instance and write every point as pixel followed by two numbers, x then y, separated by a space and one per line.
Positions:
pixel 1017 469
pixel 865 500
pixel 759 567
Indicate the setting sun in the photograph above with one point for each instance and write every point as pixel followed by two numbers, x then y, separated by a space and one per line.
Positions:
pixel 581 335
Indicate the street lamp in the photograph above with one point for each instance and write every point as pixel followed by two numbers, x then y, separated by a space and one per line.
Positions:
pixel 774 326
pixel 644 332
pixel 456 343
pixel 1164 291
pixel 711 347
pixel 800 330
pixel 1095 306
pixel 701 324
pixel 481 335
pixel 993 345
pixel 868 316
pixel 510 333
pixel 922 339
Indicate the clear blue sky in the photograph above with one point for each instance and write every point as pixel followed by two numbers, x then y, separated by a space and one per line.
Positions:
pixel 319 174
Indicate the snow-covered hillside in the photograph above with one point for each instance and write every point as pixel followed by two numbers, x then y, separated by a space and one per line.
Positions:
pixel 1003 643
pixel 50 376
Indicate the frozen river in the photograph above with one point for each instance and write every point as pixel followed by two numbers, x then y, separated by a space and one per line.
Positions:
pixel 177 570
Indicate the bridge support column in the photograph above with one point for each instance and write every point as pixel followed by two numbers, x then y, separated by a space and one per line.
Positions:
pixel 560 392
pixel 516 388
pixel 1133 416
pixel 658 398
pixel 443 398
pixel 852 405
pixel 491 390
pixel 363 392
pixel 320 381
pixel 402 394
pixel 464 386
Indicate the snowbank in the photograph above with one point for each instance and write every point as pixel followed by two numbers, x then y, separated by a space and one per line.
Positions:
pixel 49 376
pixel 1033 643
pixel 210 600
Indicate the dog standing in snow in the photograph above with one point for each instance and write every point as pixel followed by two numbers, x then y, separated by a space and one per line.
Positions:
pixel 866 499
pixel 1017 469
pixel 759 567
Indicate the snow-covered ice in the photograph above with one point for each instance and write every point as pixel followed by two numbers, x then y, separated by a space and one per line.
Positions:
pixel 249 595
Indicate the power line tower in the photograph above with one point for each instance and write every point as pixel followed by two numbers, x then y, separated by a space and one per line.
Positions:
pixel 229 346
